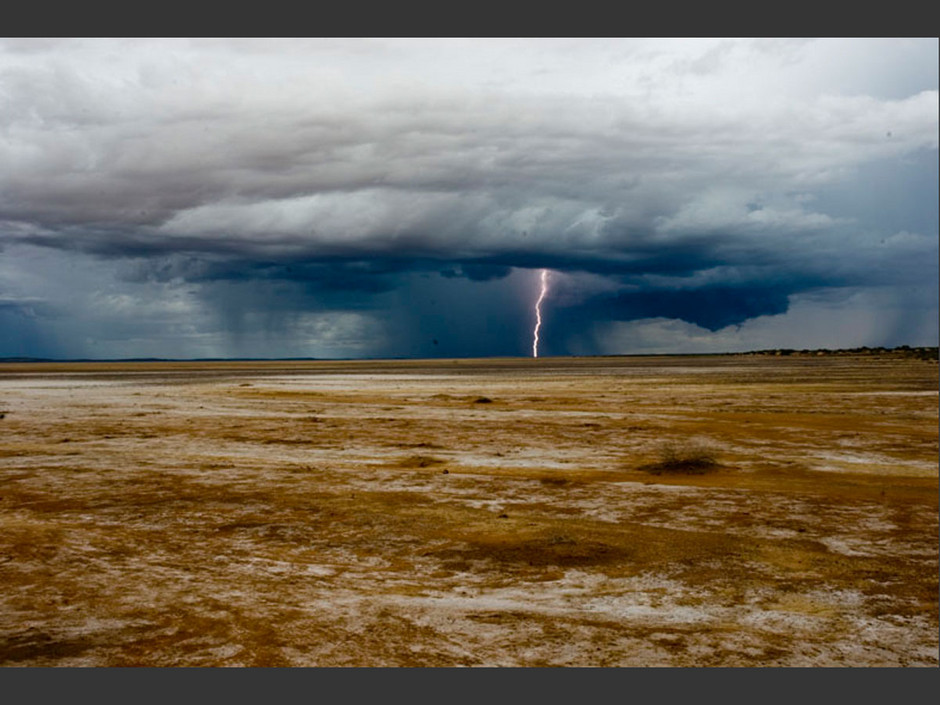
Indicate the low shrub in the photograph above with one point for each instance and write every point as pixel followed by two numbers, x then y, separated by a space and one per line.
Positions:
pixel 684 458
pixel 420 461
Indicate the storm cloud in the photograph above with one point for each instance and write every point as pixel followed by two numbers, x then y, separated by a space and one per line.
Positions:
pixel 189 198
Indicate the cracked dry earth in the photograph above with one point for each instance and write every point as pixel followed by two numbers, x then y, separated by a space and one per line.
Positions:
pixel 469 513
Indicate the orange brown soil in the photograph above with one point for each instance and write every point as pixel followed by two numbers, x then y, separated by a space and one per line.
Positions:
pixel 378 513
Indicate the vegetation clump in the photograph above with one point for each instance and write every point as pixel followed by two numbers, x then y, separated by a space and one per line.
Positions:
pixel 420 461
pixel 687 458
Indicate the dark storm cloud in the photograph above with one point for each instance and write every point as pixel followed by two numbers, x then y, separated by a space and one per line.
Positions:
pixel 478 272
pixel 703 181
pixel 710 307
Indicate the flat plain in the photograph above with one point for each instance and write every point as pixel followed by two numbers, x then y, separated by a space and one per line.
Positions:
pixel 622 511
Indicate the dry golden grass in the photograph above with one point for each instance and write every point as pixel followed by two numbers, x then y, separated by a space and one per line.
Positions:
pixel 379 513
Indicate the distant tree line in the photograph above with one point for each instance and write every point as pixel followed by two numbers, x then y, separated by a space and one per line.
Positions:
pixel 919 353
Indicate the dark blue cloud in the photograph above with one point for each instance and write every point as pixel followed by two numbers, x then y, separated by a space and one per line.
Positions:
pixel 710 307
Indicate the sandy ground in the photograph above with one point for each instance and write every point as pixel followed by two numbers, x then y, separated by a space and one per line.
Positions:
pixel 470 513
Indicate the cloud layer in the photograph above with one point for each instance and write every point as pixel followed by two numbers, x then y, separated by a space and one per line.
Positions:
pixel 394 197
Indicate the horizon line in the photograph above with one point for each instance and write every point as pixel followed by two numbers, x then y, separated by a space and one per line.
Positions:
pixel 783 351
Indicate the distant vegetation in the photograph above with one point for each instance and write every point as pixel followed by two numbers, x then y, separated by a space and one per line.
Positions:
pixel 920 353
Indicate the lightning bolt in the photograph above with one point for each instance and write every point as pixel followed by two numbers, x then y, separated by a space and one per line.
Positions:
pixel 543 278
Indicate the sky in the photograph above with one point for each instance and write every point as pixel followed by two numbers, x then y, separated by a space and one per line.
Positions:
pixel 373 198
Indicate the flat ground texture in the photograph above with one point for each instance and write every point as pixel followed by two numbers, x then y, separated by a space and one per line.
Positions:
pixel 471 513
